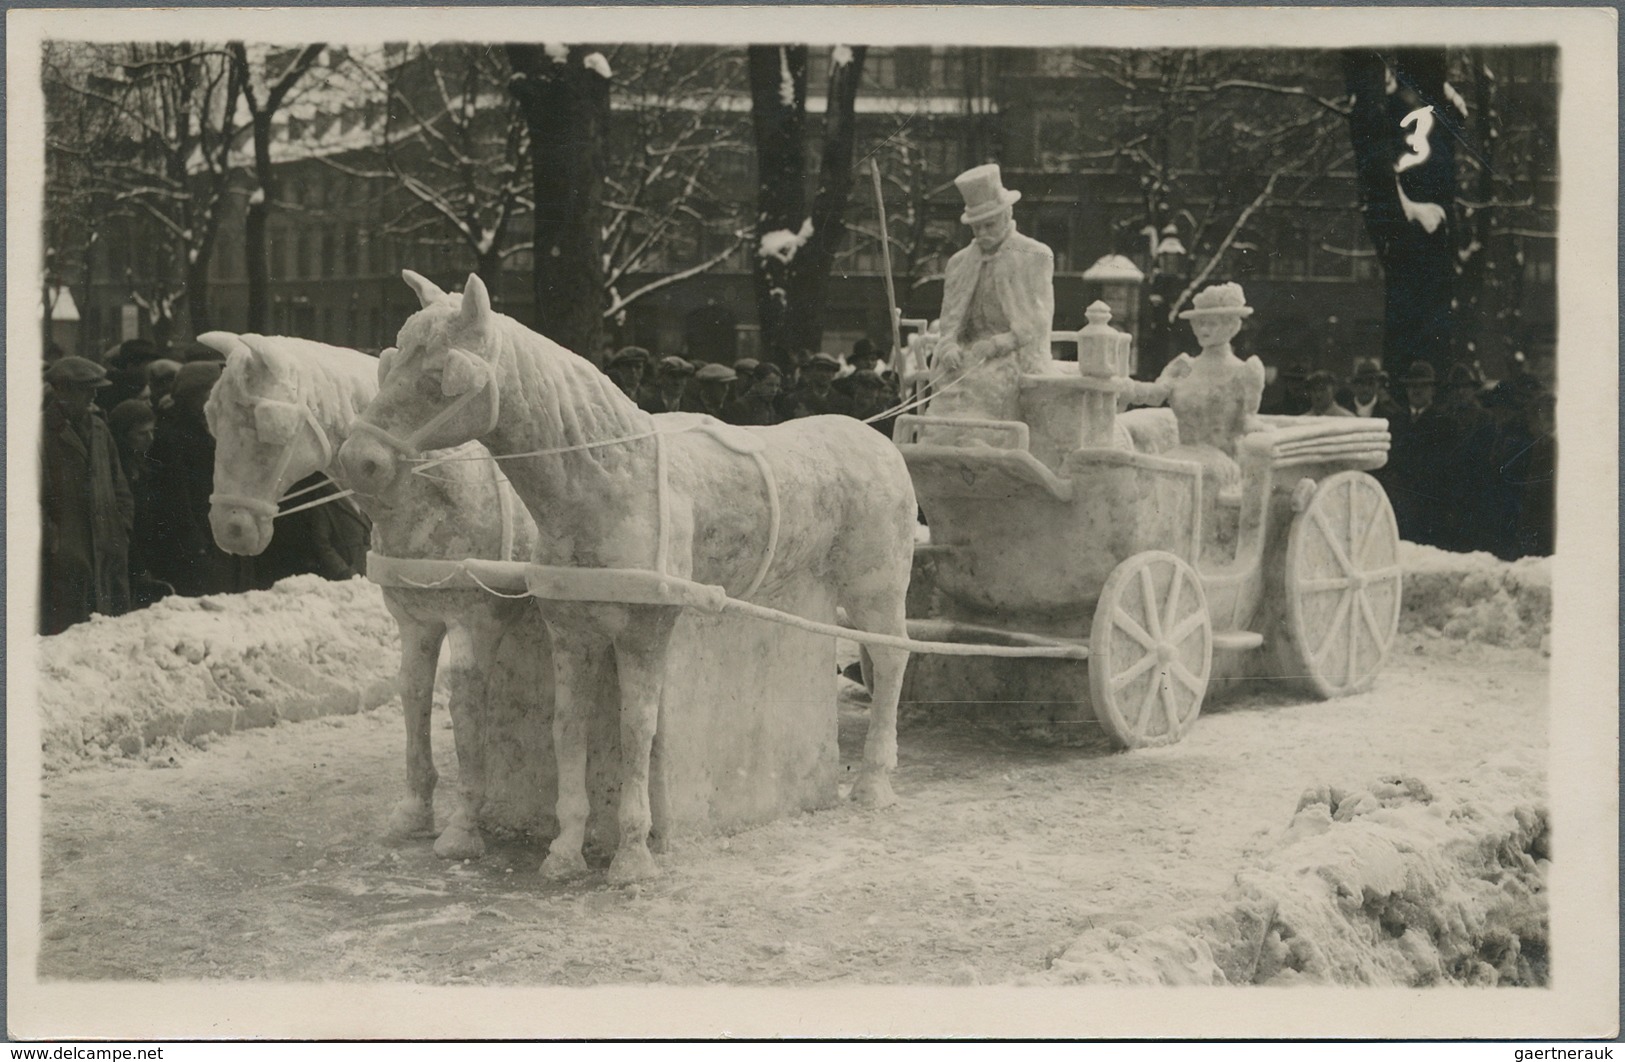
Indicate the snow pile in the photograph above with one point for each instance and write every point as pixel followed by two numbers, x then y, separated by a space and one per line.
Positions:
pixel 1397 884
pixel 189 667
pixel 1476 597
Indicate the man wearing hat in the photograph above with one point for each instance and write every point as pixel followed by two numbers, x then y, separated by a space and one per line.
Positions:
pixel 671 380
pixel 626 368
pixel 182 469
pixel 760 403
pixel 1368 395
pixel 1322 388
pixel 712 393
pixel 817 394
pixel 1417 456
pixel 998 303
pixel 86 507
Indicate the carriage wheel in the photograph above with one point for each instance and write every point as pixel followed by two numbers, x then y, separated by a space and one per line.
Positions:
pixel 1150 650
pixel 1343 584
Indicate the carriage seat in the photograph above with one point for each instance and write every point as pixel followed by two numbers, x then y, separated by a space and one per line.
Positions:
pixel 1151 430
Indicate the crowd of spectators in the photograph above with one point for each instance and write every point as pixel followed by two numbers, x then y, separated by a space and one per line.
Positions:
pixel 1470 467
pixel 126 471
pixel 127 461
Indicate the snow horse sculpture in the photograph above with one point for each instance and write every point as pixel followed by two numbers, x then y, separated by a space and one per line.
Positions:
pixel 633 508
pixel 280 412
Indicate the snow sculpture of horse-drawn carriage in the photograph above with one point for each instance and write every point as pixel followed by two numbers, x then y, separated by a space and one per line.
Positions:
pixel 1071 528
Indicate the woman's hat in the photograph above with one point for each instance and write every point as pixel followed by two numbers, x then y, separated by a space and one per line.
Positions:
pixel 1219 300
pixel 984 192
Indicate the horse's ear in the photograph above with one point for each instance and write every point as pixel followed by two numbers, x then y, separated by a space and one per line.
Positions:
pixel 476 314
pixel 427 290
pixel 227 343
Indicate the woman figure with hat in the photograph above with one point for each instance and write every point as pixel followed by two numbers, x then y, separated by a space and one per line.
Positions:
pixel 1215 395
pixel 998 303
pixel 86 507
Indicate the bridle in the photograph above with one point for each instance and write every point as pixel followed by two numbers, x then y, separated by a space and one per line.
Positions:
pixel 412 445
pixel 272 419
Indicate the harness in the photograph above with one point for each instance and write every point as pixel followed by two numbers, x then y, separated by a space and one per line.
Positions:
pixel 278 422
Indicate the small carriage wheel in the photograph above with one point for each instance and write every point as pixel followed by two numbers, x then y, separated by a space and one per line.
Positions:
pixel 1150 650
pixel 1343 584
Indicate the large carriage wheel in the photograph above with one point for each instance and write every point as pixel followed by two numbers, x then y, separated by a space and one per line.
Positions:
pixel 1343 584
pixel 1150 650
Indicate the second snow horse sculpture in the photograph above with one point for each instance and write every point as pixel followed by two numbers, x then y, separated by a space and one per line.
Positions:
pixel 625 499
pixel 281 410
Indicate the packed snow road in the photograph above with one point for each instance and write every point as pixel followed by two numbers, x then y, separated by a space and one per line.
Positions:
pixel 261 856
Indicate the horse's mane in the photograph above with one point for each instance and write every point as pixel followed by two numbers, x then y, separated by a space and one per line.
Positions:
pixel 335 382
pixel 584 404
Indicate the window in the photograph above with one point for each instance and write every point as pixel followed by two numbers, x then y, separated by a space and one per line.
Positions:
pixel 330 257
pixel 279 255
pixel 304 255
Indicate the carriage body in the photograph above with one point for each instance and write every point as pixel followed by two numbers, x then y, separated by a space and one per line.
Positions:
pixel 1076 526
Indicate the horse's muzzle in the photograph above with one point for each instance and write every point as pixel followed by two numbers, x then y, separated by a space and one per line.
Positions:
pixel 239 531
pixel 368 464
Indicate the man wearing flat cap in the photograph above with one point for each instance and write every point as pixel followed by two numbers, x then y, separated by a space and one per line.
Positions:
pixel 712 393
pixel 626 368
pixel 1418 456
pixel 817 394
pixel 998 303
pixel 671 381
pixel 86 507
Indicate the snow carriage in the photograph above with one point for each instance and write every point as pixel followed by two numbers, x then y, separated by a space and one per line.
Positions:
pixel 1072 528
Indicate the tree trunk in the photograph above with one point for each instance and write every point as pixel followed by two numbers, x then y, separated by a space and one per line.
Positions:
pixel 778 108
pixel 254 242
pixel 811 265
pixel 566 106
pixel 1418 265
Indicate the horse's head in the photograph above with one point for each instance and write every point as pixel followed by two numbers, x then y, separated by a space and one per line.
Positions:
pixel 436 388
pixel 266 439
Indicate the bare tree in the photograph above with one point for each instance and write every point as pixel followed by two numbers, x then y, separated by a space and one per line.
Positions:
pixel 563 93
pixel 154 142
pixel 264 81
pixel 669 208
pixel 796 245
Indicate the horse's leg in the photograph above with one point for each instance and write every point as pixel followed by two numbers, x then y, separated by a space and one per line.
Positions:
pixel 640 659
pixel 576 657
pixel 883 613
pixel 473 642
pixel 420 653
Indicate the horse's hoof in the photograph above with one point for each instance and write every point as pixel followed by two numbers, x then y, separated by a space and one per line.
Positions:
pixel 457 842
pixel 561 865
pixel 632 864
pixel 410 818
pixel 873 790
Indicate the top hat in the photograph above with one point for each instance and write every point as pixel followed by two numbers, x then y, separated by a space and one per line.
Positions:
pixel 984 192
pixel 1420 372
pixel 76 371
pixel 1218 300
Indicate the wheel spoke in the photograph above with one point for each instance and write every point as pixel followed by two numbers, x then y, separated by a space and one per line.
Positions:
pixel 1383 574
pixel 1130 627
pixel 1371 621
pixel 1145 704
pixel 1331 631
pixel 1366 535
pixel 1319 516
pixel 1170 710
pixel 1348 496
pixel 1149 596
pixel 1175 585
pixel 1129 674
pixel 1186 677
pixel 1354 639
pixel 1185 629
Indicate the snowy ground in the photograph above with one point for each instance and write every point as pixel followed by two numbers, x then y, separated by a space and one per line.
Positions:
pixel 258 857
